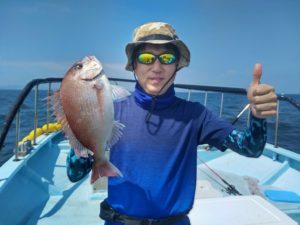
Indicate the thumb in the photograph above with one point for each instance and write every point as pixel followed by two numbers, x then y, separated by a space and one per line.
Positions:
pixel 257 71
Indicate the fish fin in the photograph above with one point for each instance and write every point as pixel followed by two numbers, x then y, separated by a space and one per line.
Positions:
pixel 106 169
pixel 79 149
pixel 119 92
pixel 58 112
pixel 116 133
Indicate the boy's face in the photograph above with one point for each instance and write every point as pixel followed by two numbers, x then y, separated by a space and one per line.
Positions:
pixel 152 77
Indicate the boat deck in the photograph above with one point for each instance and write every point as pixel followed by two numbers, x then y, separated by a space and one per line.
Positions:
pixel 69 203
pixel 41 180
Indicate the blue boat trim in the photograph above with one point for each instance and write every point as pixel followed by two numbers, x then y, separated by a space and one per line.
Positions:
pixel 282 196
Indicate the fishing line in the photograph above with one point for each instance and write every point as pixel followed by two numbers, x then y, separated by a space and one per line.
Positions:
pixel 229 187
pixel 212 178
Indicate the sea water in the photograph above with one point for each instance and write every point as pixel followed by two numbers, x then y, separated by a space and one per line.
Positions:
pixel 288 129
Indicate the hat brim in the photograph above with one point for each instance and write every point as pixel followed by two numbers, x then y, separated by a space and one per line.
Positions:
pixel 182 48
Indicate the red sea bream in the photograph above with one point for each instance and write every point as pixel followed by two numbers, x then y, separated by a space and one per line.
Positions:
pixel 84 107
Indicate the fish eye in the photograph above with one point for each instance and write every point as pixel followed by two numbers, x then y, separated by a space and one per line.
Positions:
pixel 78 66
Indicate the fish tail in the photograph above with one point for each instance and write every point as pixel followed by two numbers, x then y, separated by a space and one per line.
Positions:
pixel 106 169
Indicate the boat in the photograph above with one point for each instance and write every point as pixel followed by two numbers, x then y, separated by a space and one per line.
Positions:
pixel 231 189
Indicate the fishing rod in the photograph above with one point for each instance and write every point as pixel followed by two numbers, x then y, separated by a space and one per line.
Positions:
pixel 240 114
pixel 230 188
pixel 216 181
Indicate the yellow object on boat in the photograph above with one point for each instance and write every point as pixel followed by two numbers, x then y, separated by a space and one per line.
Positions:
pixel 38 132
pixel 58 126
pixel 51 127
pixel 25 139
pixel 22 141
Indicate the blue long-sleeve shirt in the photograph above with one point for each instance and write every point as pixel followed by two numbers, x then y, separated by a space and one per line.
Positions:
pixel 158 158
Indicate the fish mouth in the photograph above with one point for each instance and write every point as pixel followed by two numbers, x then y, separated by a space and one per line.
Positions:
pixel 95 77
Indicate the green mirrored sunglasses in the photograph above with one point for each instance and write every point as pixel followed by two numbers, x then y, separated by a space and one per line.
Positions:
pixel 149 58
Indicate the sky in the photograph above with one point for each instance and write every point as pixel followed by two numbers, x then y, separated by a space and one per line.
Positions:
pixel 40 38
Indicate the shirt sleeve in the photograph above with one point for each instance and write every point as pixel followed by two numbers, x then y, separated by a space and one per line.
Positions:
pixel 250 142
pixel 212 130
pixel 78 167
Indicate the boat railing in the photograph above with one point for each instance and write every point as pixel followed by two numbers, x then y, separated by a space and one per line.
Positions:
pixel 229 90
pixel 15 110
pixel 34 85
pixel 240 91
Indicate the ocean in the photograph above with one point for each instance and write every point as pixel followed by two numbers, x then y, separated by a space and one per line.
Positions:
pixel 288 130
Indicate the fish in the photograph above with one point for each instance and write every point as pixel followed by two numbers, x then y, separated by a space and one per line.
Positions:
pixel 84 107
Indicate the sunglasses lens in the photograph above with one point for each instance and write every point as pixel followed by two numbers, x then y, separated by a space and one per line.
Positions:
pixel 167 58
pixel 146 58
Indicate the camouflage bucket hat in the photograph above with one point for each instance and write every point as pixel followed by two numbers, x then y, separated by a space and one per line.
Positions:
pixel 157 33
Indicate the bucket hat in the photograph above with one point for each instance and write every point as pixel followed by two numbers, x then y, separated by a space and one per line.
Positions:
pixel 157 33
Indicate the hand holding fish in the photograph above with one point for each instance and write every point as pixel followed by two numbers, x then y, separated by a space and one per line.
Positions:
pixel 262 97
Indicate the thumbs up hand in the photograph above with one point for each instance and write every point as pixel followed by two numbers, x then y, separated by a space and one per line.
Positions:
pixel 262 97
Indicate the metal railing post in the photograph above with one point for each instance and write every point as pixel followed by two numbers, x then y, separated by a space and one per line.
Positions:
pixel 221 105
pixel 17 136
pixel 189 95
pixel 205 98
pixel 35 113
pixel 48 110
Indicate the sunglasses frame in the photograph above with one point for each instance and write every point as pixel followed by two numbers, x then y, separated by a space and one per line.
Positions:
pixel 156 57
